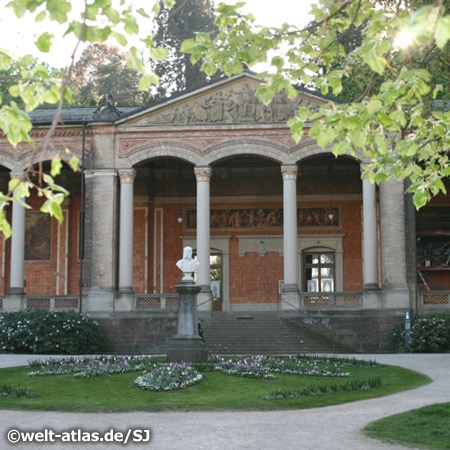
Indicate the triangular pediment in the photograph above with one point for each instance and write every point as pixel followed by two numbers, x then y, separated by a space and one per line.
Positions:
pixel 229 101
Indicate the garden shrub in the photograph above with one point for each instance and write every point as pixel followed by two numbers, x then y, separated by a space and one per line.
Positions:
pixel 41 331
pixel 431 334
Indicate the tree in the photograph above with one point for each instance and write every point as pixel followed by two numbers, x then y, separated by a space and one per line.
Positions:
pixel 176 72
pixel 436 61
pixel 37 85
pixel 12 73
pixel 101 70
pixel 389 125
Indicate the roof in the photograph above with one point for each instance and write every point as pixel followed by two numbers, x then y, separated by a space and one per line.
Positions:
pixel 79 115
pixel 43 116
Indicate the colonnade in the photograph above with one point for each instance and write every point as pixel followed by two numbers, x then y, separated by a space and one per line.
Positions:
pixel 393 244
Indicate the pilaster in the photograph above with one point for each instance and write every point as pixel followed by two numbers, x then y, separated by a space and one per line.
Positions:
pixel 393 244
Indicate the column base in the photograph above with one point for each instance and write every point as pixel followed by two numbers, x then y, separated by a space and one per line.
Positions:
pixel 126 290
pixel 371 287
pixel 396 297
pixel 100 300
pixel 290 296
pixel 16 291
pixel 372 298
pixel 187 349
pixel 204 299
pixel 13 302
pixel 124 301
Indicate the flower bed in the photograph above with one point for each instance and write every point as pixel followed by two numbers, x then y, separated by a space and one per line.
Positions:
pixel 249 367
pixel 263 366
pixel 167 377
pixel 91 366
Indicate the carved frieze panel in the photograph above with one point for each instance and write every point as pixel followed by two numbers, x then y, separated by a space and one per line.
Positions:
pixel 232 105
pixel 265 218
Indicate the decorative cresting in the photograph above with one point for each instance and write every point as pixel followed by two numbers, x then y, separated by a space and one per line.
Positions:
pixel 127 176
pixel 240 106
pixel 203 173
pixel 289 172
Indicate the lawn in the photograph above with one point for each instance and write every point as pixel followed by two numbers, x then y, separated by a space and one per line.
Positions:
pixel 427 427
pixel 217 391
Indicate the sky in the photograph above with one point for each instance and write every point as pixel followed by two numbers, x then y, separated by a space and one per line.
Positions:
pixel 18 35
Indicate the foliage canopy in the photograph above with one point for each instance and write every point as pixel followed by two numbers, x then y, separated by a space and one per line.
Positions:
pixel 391 123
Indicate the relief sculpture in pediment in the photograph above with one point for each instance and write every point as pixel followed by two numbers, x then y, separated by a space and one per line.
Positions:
pixel 233 106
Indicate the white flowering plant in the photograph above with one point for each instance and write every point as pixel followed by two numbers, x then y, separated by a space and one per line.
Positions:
pixel 42 331
pixel 167 377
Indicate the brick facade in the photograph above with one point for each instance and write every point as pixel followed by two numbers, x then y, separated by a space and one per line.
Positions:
pixel 245 157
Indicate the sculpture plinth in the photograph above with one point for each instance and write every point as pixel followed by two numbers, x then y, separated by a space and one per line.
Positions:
pixel 187 345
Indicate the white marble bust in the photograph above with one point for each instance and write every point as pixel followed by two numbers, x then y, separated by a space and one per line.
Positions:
pixel 187 265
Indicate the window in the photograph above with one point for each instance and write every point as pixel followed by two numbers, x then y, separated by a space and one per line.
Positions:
pixel 319 269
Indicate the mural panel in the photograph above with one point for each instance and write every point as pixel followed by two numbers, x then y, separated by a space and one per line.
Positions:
pixel 38 237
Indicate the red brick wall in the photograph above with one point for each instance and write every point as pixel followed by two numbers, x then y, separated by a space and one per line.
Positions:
pixel 40 276
pixel 254 278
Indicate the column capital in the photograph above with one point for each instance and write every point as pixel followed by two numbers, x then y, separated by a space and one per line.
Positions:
pixel 289 171
pixel 17 174
pixel 203 173
pixel 127 176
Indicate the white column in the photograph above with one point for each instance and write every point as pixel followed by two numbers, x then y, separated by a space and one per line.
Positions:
pixel 17 249
pixel 203 176
pixel 126 231
pixel 290 243
pixel 370 236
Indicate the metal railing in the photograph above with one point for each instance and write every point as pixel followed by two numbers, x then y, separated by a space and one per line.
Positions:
pixel 434 298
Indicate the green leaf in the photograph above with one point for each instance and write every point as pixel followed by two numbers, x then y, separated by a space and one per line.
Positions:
pixel 420 198
pixel 351 122
pixel 41 16
pixel 326 137
pixel 5 227
pixel 442 33
pixel 188 45
pixel 120 38
pixel 4 60
pixel 158 53
pixel 399 117
pixel 373 107
pixel 142 12
pixel 58 10
pixel 56 166
pixel 358 138
pixel 340 148
pixel 147 80
pixel 133 61
pixel 43 42
pixel 74 163
pixel 265 93
pixel 373 60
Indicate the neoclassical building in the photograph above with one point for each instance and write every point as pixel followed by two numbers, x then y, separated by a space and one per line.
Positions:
pixel 276 226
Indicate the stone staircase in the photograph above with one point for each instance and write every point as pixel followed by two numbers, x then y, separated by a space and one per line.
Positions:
pixel 263 333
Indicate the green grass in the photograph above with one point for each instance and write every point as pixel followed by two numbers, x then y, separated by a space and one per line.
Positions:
pixel 217 392
pixel 427 427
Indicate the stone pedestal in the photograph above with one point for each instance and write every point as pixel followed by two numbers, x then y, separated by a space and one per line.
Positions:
pixel 187 345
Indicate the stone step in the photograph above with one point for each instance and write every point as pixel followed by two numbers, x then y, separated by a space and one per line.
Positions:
pixel 263 333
